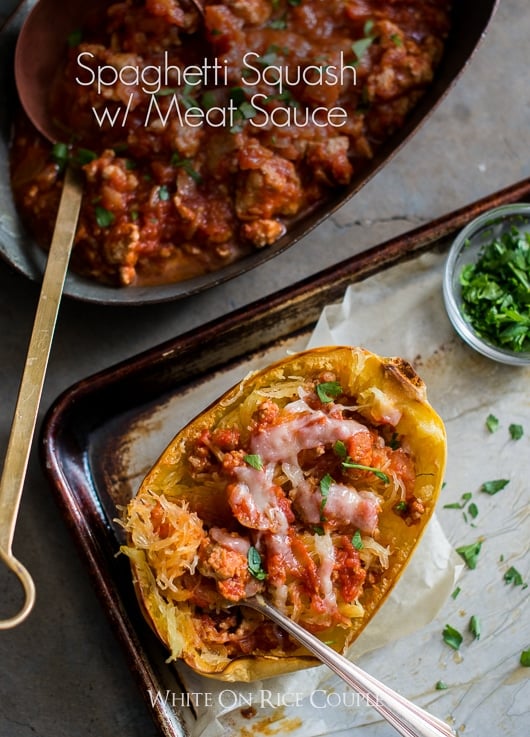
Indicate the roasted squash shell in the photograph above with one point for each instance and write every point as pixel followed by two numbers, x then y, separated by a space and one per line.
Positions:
pixel 178 504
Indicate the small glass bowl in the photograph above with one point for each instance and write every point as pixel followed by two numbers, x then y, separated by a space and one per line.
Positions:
pixel 465 250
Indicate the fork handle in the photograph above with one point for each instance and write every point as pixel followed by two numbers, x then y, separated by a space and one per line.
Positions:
pixel 407 718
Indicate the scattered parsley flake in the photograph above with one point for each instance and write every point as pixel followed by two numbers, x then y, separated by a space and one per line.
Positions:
pixel 60 153
pixel 441 686
pixel 452 637
pixel 356 540
pixel 254 460
pixel 525 659
pixel 85 156
pixel 74 38
pixel 361 46
pixel 104 217
pixel 279 24
pixel 475 627
pixel 187 165
pixel 516 431
pixel 513 576
pixel 492 487
pixel 492 423
pixel 255 566
pixel 461 504
pixel 470 553
pixel 456 592
pixel 376 471
pixel 340 449
pixel 328 391
pixel 325 483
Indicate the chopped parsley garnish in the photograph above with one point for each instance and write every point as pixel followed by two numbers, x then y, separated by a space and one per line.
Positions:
pixel 492 487
pixel 452 637
pixel 187 165
pixel 255 566
pixel 361 46
pixel 495 291
pixel 60 154
pixel 470 553
pixel 401 507
pixel 492 423
pixel 85 156
pixel 441 686
pixel 271 55
pixel 516 431
pixel 254 460
pixel 208 100
pixel 475 627
pixel 327 391
pixel 513 576
pixel 325 483
pixel 376 471
pixel 278 23
pixel 456 592
pixel 356 540
pixel 163 193
pixel 104 217
pixel 525 659
pixel 74 38
pixel 340 449
pixel 473 510
pixel 461 504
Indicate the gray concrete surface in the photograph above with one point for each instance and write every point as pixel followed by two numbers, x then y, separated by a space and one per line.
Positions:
pixel 61 672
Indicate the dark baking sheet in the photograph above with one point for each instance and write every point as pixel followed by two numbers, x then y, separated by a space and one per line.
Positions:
pixel 91 430
pixel 470 21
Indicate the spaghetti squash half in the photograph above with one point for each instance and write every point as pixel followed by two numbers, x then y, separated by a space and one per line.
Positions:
pixel 311 482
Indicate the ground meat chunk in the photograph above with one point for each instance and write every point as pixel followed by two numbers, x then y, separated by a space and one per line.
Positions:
pixel 262 232
pixel 229 567
pixel 329 160
pixel 267 185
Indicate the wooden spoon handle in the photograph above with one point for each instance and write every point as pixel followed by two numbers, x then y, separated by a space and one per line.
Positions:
pixel 30 391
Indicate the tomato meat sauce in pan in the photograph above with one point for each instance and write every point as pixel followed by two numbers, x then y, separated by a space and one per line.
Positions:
pixel 202 137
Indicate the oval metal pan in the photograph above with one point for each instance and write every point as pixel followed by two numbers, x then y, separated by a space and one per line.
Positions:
pixel 470 21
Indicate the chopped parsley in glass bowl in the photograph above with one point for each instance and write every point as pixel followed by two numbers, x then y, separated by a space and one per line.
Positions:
pixel 487 284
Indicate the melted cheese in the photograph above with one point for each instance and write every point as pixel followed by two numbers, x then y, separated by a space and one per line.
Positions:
pixel 254 499
pixel 301 431
pixel 343 504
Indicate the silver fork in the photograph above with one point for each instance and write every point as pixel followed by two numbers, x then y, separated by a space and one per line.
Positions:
pixel 407 718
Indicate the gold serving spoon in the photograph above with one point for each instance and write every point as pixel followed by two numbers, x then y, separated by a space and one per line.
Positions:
pixel 39 53
pixel 33 70
pixel 407 718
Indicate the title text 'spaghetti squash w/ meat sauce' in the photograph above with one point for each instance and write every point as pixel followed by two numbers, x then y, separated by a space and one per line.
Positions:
pixel 309 482
pixel 202 138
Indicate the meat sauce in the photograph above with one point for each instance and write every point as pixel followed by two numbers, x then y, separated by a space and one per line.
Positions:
pixel 303 520
pixel 201 138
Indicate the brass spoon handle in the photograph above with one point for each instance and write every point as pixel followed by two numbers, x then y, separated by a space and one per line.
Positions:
pixel 30 391
pixel 407 718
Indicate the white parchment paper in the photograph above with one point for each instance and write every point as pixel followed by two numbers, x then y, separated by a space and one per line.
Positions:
pixel 399 312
